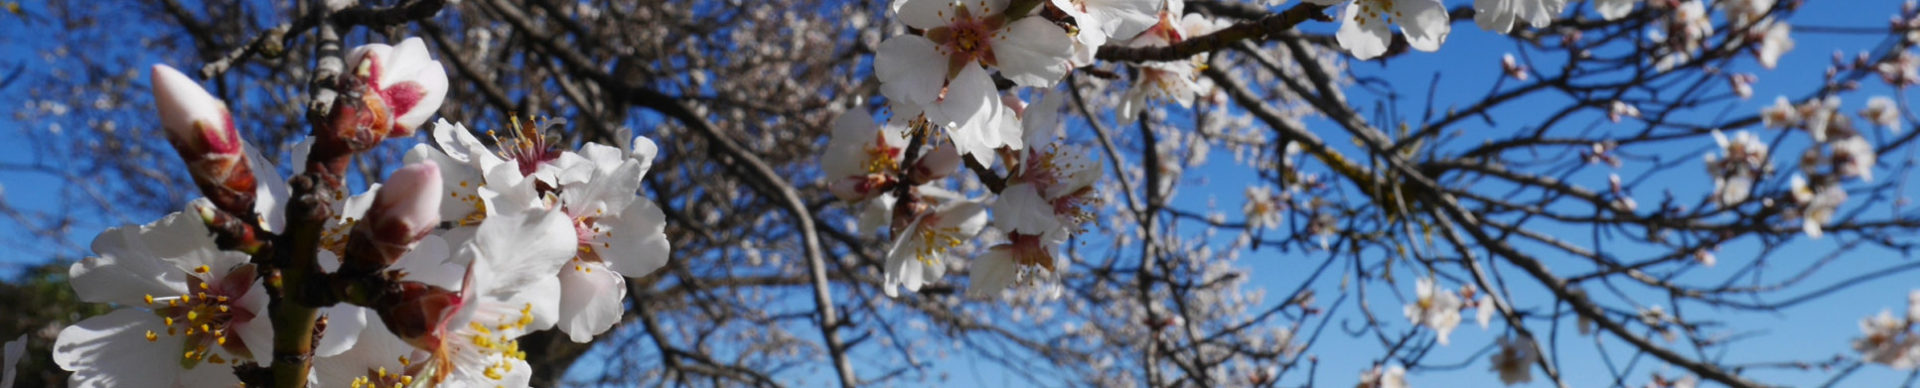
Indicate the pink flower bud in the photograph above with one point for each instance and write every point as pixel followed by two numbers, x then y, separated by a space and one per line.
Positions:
pixel 405 77
pixel 405 209
pixel 418 313
pixel 937 163
pixel 200 128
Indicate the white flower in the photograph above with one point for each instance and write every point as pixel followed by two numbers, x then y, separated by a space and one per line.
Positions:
pixel 1746 11
pixel 919 252
pixel 1060 178
pixel 14 349
pixel 1900 71
pixel 618 235
pixel 508 290
pixel 1501 15
pixel 1390 377
pixel 1027 260
pixel 378 359
pixel 1263 209
pixel 1883 112
pixel 406 77
pixel 1681 34
pixel 1742 84
pixel 1823 119
pixel 1885 340
pixel 1435 308
pixel 1854 157
pixel 1512 67
pixel 1774 42
pixel 1621 109
pixel 189 309
pixel 1172 80
pixel 941 71
pixel 1742 161
pixel 861 156
pixel 1515 360
pixel 1365 34
pixel 1817 204
pixel 1782 114
pixel 1614 9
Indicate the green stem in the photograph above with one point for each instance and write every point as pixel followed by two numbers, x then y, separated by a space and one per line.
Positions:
pixel 297 285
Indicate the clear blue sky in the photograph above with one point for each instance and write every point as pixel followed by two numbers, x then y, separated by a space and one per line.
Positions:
pixel 1808 331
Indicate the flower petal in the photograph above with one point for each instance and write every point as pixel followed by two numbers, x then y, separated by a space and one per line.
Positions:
pixel 1032 52
pixel 910 68
pixel 590 297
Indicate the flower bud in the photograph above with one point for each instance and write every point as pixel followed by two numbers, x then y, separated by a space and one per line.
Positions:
pixel 200 128
pixel 418 313
pixel 405 209
pixel 407 80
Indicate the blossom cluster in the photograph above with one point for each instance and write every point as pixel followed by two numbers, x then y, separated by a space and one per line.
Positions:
pixel 428 277
pixel 1889 340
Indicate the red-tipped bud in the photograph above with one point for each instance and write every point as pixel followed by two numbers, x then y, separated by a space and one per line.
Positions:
pixel 405 209
pixel 418 313
pixel 405 77
pixel 199 127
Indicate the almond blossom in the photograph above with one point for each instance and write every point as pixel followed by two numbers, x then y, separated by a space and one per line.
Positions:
pixel 405 78
pixel 1742 161
pixel 617 233
pixel 1364 28
pixel 1388 377
pixel 1886 340
pixel 1048 196
pixel 1681 34
pixel 1501 15
pixel 862 156
pixel 918 254
pixel 1854 157
pixel 1782 114
pixel 507 291
pixel 189 309
pixel 1774 39
pixel 1170 80
pixel 943 72
pixel 1882 111
pixel 1817 202
pixel 1263 208
pixel 1435 308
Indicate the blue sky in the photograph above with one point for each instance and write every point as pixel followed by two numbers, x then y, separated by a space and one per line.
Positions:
pixel 1469 61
